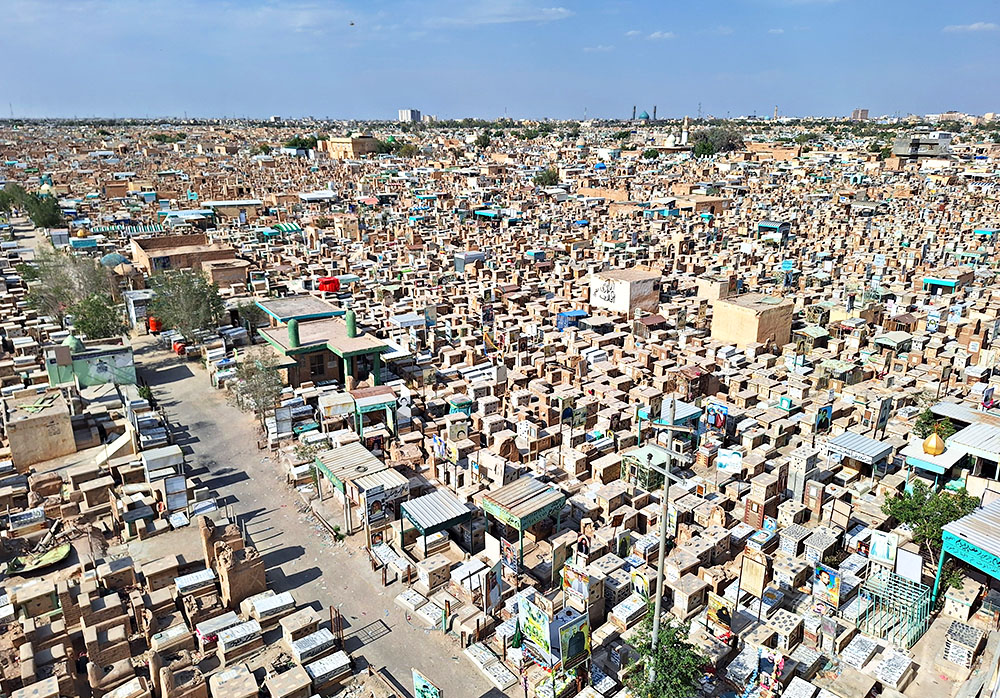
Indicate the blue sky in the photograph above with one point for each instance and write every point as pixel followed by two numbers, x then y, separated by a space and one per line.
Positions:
pixel 487 58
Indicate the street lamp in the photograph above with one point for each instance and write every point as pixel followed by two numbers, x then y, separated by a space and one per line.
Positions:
pixel 664 514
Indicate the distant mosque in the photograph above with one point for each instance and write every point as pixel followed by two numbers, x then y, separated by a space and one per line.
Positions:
pixel 643 116
pixel 674 141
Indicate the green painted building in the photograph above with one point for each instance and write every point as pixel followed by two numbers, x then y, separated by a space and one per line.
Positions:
pixel 73 363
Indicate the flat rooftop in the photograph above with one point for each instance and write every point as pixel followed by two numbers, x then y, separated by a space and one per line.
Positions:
pixel 330 332
pixel 629 274
pixel 188 249
pixel 298 307
pixel 759 301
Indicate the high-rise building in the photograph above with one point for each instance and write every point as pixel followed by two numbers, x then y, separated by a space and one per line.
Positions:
pixel 409 115
pixel 859 115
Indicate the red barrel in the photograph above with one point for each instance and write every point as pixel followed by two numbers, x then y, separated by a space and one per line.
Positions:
pixel 155 325
pixel 330 284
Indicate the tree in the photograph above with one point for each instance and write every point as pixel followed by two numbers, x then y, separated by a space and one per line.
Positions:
pixel 703 149
pixel 650 154
pixel 717 139
pixel 483 140
pixel 60 280
pixel 169 137
pixel 927 422
pixel 43 211
pixel 252 317
pixel 927 512
pixel 258 383
pixel 672 670
pixel 301 143
pixel 407 150
pixel 548 178
pixel 97 316
pixel 186 301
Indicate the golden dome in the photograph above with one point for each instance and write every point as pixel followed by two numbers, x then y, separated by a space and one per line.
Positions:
pixel 934 445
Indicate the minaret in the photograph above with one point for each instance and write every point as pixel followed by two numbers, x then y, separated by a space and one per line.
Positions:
pixel 654 119
pixel 684 132
pixel 633 112
pixel 775 112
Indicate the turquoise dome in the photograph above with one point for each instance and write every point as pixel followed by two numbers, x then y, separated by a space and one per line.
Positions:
pixel 74 343
pixel 113 259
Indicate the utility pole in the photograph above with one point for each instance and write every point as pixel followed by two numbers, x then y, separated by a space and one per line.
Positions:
pixel 664 515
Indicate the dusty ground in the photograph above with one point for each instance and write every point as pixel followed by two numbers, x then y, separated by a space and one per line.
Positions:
pixel 302 558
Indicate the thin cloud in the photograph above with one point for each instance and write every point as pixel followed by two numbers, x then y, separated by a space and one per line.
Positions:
pixel 974 27
pixel 600 48
pixel 723 30
pixel 633 32
pixel 501 13
pixel 657 36
pixel 776 31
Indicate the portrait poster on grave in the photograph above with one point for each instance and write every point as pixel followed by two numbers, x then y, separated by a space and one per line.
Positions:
pixel 509 556
pixel 824 417
pixel 720 610
pixel 535 626
pixel 576 582
pixel 574 642
pixel 826 585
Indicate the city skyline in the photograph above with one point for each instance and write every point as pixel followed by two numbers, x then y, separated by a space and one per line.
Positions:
pixel 519 58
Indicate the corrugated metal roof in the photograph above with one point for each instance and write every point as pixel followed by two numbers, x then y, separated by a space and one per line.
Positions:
pixel 349 461
pixel 859 447
pixel 980 439
pixel 979 528
pixel 525 496
pixel 388 478
pixel 435 511
pixel 964 414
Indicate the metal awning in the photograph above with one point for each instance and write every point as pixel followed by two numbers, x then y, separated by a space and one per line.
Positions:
pixel 982 440
pixel 347 463
pixel 373 398
pixel 389 479
pixel 435 512
pixel 859 448
pixel 524 502
pixel 972 539
pixel 127 229
pixel 335 404
pixel 408 320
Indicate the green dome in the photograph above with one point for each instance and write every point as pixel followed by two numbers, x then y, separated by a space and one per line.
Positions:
pixel 74 343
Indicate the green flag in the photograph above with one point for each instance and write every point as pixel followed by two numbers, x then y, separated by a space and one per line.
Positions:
pixel 518 639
